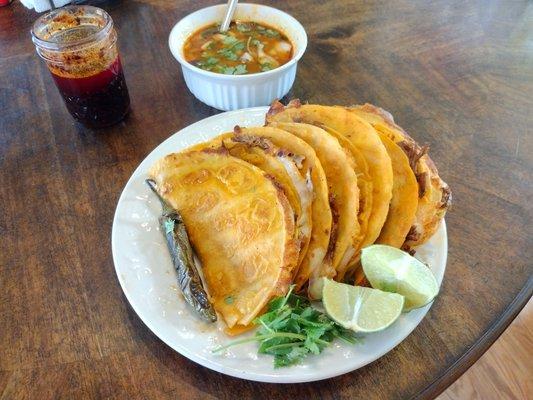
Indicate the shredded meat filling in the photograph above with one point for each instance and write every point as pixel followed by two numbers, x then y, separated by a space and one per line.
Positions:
pixel 219 150
pixel 446 199
pixel 422 180
pixel 334 226
pixel 413 152
pixel 275 108
pixel 255 141
pixel 408 249
pixel 413 234
pixel 284 153
pixel 295 103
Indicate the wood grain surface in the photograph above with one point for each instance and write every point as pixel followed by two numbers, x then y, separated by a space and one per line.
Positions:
pixel 457 75
pixel 505 370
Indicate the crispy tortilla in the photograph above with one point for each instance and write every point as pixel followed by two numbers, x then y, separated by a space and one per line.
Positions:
pixel 404 202
pixel 343 190
pixel 434 194
pixel 240 225
pixel 314 262
pixel 364 183
pixel 281 168
pixel 363 136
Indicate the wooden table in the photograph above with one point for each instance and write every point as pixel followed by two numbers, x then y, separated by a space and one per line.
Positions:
pixel 458 76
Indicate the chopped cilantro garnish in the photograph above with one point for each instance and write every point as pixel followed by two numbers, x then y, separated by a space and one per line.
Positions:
pixel 228 70
pixel 231 52
pixel 292 329
pixel 240 69
pixel 271 33
pixel 211 61
pixel 208 60
pixel 208 63
pixel 228 300
pixel 237 70
pixel 266 67
pixel 243 27
pixel 228 54
pixel 229 40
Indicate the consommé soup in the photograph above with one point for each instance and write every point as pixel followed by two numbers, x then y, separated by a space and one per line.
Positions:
pixel 246 48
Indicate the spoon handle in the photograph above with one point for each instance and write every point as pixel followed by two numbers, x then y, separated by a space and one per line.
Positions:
pixel 232 4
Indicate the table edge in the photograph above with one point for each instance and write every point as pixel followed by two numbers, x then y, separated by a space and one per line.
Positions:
pixel 463 363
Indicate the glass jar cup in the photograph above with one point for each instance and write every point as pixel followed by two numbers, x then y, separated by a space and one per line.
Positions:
pixel 79 46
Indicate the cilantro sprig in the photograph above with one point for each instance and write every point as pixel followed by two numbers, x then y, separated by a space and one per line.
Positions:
pixel 271 33
pixel 243 27
pixel 208 63
pixel 292 329
pixel 236 70
pixel 233 45
pixel 266 67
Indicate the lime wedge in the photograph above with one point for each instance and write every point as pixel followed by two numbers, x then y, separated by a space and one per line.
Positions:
pixel 392 270
pixel 359 308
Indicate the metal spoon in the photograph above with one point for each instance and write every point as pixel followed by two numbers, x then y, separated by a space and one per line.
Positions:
pixel 232 4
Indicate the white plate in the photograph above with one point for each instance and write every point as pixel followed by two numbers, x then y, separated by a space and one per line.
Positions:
pixel 147 277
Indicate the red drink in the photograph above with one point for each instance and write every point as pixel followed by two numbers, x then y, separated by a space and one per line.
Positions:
pixel 79 46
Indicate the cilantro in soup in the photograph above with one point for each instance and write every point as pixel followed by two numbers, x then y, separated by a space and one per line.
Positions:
pixel 246 48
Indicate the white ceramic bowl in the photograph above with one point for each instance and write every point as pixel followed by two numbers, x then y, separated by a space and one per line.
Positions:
pixel 232 92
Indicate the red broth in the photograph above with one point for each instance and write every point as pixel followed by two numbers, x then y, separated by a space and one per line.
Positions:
pixel 246 48
pixel 99 100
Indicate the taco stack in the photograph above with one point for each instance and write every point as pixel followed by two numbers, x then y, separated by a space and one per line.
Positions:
pixel 298 199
